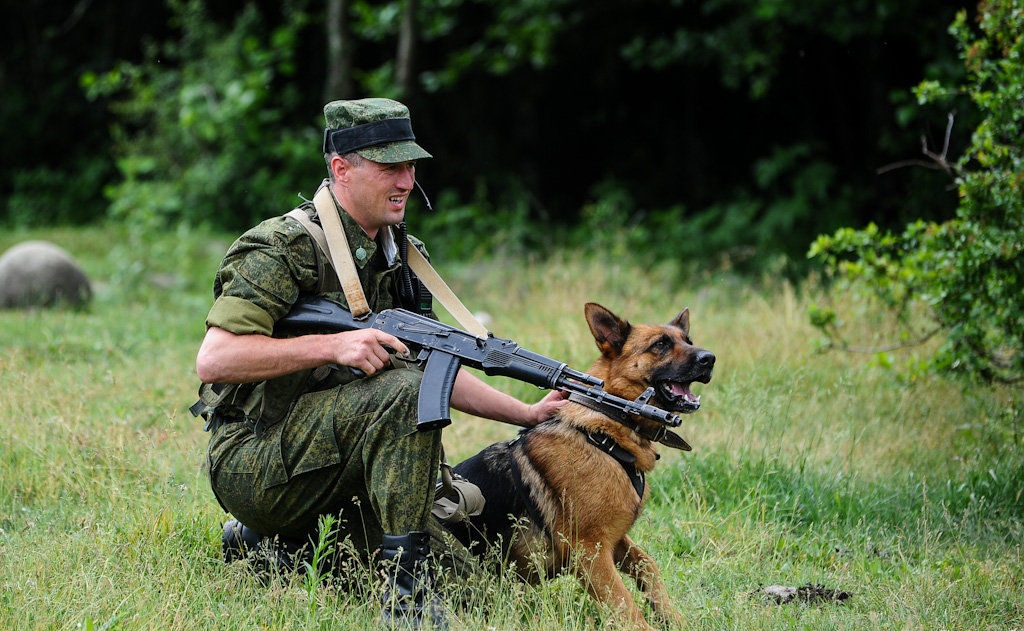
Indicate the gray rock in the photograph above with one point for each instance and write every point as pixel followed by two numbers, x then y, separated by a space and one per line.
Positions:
pixel 41 274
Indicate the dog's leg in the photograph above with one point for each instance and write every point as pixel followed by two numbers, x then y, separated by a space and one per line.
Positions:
pixel 639 566
pixel 596 569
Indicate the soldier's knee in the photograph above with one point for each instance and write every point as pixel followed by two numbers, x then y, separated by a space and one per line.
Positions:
pixel 406 380
pixel 402 389
pixel 402 386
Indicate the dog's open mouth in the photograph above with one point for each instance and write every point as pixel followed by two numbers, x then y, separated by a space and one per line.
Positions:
pixel 679 396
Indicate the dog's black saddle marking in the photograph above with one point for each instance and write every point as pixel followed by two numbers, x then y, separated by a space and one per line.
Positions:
pixel 524 493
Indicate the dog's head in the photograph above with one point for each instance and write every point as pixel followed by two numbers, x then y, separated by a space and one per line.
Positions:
pixel 635 357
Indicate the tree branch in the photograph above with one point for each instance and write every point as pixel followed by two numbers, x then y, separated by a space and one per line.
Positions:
pixel 838 342
pixel 937 160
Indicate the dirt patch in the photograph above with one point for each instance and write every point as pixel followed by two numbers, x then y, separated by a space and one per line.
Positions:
pixel 809 593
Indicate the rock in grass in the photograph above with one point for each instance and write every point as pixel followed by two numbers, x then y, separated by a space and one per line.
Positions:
pixel 41 274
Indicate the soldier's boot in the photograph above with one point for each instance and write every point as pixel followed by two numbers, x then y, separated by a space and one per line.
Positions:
pixel 265 554
pixel 408 600
pixel 238 540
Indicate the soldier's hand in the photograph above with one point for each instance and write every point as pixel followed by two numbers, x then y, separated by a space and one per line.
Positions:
pixel 368 350
pixel 545 408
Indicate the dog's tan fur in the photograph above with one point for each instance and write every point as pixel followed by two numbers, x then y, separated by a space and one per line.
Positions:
pixel 584 496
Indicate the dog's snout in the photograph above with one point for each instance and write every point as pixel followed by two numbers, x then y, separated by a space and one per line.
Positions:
pixel 705 359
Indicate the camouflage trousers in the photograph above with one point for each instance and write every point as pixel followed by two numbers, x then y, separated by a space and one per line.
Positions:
pixel 352 451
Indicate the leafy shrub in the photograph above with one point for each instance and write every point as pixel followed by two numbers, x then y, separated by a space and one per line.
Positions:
pixel 969 271
pixel 200 137
pixel 38 199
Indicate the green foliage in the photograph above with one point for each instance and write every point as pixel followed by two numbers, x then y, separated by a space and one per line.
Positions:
pixel 747 39
pixel 778 214
pixel 484 226
pixel 506 36
pixel 514 35
pixel 39 199
pixel 201 125
pixel 969 271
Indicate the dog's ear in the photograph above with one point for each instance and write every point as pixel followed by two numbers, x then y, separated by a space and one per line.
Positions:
pixel 682 321
pixel 609 330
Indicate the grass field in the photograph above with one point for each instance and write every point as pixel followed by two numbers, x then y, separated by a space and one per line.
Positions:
pixel 903 489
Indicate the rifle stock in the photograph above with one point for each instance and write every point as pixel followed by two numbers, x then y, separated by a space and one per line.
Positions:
pixel 444 349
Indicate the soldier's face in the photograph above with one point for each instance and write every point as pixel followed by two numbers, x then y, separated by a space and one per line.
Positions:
pixel 377 193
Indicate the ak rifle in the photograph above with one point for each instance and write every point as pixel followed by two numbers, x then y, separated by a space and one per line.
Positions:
pixel 442 349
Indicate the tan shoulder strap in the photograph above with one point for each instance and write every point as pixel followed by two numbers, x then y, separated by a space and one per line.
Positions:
pixel 327 277
pixel 440 290
pixel 341 254
pixel 341 260
pixel 314 230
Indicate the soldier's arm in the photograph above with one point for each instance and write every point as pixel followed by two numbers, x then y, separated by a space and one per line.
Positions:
pixel 226 357
pixel 473 396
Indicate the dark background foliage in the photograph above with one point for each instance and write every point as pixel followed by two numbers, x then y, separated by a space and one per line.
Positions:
pixel 726 126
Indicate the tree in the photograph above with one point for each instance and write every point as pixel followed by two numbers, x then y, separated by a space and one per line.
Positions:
pixel 201 134
pixel 967 272
pixel 338 84
pixel 49 132
pixel 405 55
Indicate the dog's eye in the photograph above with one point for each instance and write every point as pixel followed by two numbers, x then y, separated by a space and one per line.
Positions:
pixel 661 346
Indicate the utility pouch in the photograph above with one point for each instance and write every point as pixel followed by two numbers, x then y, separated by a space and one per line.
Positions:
pixel 457 500
pixel 217 403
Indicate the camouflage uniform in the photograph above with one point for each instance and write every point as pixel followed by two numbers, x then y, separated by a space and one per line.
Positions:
pixel 336 445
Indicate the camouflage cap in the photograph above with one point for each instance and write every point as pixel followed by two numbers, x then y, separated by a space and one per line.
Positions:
pixel 377 129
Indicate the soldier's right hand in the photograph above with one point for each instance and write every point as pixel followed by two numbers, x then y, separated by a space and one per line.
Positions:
pixel 368 350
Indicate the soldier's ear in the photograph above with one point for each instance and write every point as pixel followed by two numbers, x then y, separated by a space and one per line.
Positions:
pixel 609 330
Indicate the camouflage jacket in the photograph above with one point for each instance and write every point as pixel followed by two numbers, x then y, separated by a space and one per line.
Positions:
pixel 262 275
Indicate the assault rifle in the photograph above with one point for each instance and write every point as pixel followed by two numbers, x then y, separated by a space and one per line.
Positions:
pixel 443 349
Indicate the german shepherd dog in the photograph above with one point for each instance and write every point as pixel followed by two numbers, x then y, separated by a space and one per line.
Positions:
pixel 563 495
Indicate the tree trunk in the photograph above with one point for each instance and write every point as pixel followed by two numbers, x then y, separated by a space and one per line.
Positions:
pixel 338 83
pixel 406 52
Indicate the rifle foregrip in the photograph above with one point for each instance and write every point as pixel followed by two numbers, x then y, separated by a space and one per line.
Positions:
pixel 436 391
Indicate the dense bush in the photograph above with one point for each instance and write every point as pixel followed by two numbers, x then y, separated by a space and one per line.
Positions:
pixel 201 124
pixel 969 271
pixel 694 130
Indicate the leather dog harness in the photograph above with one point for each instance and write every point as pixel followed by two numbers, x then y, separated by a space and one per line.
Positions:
pixel 602 441
pixel 605 443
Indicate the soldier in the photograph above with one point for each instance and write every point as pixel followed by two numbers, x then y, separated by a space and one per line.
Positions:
pixel 293 437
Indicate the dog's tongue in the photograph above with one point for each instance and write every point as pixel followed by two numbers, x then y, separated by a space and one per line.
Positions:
pixel 683 391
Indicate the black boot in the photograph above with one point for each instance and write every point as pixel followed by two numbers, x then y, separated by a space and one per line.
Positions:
pixel 408 600
pixel 238 540
pixel 265 554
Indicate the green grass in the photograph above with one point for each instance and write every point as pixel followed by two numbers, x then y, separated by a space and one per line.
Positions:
pixel 904 489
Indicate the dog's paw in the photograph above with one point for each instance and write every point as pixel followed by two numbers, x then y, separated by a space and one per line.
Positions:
pixel 665 616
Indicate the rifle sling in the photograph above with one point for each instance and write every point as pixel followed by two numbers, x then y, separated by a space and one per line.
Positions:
pixel 331 238
pixel 440 290
pixel 340 252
